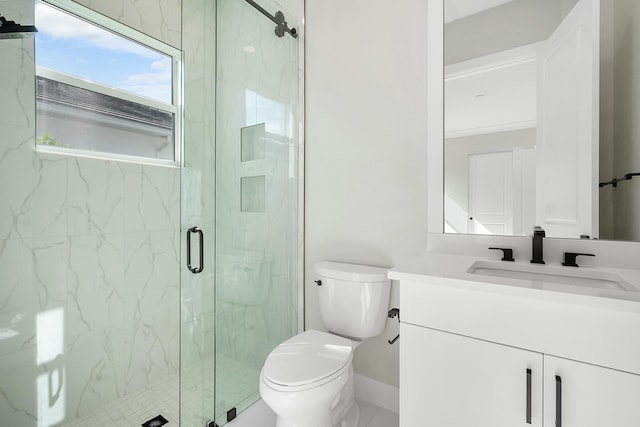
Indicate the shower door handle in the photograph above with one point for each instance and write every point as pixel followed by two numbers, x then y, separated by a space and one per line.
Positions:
pixel 200 267
pixel 558 401
pixel 528 405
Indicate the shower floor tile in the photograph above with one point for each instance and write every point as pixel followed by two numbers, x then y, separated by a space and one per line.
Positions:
pixel 136 408
pixel 236 386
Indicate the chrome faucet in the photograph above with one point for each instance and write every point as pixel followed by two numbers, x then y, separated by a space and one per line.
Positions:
pixel 536 248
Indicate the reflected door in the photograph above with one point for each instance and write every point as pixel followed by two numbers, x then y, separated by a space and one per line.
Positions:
pixel 490 193
pixel 568 123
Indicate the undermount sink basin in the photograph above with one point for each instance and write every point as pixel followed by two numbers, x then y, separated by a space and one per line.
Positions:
pixel 584 277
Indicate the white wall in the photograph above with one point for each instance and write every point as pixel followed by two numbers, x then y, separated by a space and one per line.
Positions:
pixel 619 109
pixel 607 57
pixel 365 194
pixel 626 107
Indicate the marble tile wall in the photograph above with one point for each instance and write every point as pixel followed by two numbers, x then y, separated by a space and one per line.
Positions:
pixel 89 254
pixel 157 18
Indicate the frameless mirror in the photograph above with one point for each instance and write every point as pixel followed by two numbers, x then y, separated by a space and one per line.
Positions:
pixel 540 101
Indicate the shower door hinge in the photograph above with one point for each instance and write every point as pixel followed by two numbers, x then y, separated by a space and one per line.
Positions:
pixel 231 414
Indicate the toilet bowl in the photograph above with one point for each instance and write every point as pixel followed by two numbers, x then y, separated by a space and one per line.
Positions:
pixel 308 379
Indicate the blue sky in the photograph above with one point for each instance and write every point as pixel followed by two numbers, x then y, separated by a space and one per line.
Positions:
pixel 67 44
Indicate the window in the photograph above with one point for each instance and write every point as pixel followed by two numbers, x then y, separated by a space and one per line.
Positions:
pixel 103 89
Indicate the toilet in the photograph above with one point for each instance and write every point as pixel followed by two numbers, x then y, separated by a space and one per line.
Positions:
pixel 308 379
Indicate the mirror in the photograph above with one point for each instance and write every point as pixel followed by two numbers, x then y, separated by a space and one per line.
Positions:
pixel 540 106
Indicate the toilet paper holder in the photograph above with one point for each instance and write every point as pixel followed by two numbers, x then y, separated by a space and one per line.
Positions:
pixel 394 312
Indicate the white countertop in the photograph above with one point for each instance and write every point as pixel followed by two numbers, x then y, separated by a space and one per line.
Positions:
pixel 453 269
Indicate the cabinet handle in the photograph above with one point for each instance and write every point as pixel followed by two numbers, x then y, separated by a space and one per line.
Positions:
pixel 528 396
pixel 558 401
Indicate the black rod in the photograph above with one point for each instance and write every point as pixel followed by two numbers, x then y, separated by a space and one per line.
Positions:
pixel 558 401
pixel 278 19
pixel 528 408
pixel 263 11
pixel 614 182
pixel 10 29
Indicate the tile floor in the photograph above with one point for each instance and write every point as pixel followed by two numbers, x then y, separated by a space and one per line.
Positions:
pixel 236 386
pixel 370 416
pixel 163 398
pixel 375 416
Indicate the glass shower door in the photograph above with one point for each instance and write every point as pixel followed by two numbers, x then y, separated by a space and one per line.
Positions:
pixel 240 188
pixel 197 311
pixel 257 206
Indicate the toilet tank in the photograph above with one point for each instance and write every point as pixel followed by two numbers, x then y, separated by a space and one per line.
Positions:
pixel 354 299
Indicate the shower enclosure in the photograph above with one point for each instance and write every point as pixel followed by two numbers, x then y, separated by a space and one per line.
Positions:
pixel 107 316
pixel 241 188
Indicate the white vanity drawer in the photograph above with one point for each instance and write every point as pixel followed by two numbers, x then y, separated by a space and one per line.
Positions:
pixel 570 326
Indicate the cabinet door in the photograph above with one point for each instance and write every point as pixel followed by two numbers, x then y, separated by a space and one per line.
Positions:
pixel 448 380
pixel 583 395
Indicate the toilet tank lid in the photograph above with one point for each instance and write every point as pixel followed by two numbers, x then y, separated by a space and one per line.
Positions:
pixel 352 272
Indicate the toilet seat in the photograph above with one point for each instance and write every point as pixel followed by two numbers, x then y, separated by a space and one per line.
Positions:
pixel 307 360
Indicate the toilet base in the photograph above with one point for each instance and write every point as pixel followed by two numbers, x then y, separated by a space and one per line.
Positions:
pixel 309 408
pixel 351 419
pixel 347 412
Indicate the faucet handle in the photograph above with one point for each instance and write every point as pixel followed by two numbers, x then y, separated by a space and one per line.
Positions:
pixel 570 258
pixel 539 231
pixel 507 253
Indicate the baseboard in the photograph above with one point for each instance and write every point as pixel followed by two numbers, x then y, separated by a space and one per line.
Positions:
pixel 380 394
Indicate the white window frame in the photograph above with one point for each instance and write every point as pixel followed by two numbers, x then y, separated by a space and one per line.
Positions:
pixel 176 107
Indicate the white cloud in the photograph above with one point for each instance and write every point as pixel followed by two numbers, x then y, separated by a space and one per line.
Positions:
pixel 157 91
pixel 163 64
pixel 155 84
pixel 60 25
pixel 149 78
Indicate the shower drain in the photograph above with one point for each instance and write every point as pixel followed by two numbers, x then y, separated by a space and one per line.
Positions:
pixel 155 422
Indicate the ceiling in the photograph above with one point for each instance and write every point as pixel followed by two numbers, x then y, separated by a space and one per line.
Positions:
pixel 491 94
pixel 457 9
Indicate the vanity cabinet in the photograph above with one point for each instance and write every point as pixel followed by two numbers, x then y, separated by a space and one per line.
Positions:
pixel 447 380
pixel 452 380
pixel 590 396
pixel 485 351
